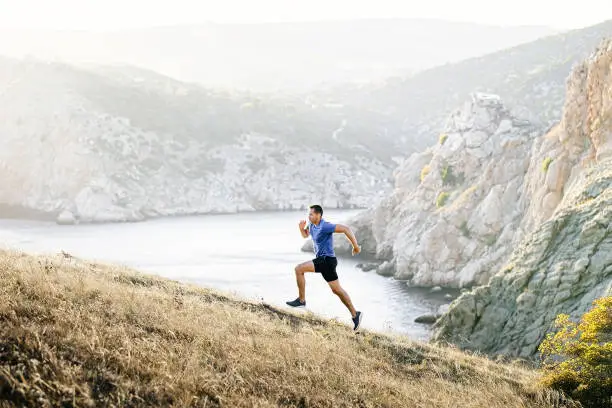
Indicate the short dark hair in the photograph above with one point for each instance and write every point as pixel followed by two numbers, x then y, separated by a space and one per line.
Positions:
pixel 317 209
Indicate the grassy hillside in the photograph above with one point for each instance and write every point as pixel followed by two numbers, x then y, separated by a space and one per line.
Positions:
pixel 75 333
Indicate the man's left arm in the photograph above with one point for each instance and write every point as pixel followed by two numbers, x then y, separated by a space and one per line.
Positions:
pixel 346 230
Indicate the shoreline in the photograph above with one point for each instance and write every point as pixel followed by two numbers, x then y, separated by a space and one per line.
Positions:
pixel 10 212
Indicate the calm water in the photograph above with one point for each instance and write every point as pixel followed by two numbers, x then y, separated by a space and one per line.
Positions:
pixel 251 255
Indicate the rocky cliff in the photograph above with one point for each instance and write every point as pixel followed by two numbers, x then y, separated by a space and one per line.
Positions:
pixel 566 262
pixel 121 145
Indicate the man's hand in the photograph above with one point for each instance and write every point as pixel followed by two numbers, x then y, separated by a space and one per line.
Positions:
pixel 303 232
pixel 356 249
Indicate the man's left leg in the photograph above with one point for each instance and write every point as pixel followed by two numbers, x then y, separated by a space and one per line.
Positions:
pixel 300 269
pixel 346 299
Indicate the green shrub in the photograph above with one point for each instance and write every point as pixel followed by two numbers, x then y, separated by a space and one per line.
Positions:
pixel 425 171
pixel 545 163
pixel 448 176
pixel 490 239
pixel 444 173
pixel 577 359
pixel 442 138
pixel 442 199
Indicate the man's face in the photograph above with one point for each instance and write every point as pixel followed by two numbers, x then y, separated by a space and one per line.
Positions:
pixel 313 217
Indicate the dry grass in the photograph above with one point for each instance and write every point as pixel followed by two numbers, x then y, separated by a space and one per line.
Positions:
pixel 74 333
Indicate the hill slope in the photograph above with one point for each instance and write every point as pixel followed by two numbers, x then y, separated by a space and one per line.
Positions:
pixel 76 333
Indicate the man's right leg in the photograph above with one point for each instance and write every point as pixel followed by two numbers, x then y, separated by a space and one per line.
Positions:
pixel 300 270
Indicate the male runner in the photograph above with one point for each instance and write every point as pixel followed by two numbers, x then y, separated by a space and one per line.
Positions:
pixel 325 261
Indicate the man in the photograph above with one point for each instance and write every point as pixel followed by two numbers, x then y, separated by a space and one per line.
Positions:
pixel 325 261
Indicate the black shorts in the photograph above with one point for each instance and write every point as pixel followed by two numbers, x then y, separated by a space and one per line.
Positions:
pixel 326 266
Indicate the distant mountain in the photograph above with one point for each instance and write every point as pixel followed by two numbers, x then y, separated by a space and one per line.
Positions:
pixel 124 144
pixel 530 78
pixel 281 56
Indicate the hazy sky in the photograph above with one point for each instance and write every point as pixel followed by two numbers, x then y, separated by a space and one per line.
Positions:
pixel 114 14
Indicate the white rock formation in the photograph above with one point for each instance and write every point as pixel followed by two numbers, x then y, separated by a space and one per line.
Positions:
pixel 566 262
pixel 452 217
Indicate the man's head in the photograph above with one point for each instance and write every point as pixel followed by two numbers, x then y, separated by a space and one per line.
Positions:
pixel 315 214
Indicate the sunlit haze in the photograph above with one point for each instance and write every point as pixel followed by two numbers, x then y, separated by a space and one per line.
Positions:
pixel 116 14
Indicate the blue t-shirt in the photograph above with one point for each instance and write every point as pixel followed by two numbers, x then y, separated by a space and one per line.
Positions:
pixel 322 238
